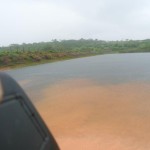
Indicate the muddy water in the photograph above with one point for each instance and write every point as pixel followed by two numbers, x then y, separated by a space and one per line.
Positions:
pixel 100 102
pixel 85 115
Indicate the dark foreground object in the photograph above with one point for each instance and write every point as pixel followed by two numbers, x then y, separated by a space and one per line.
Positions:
pixel 21 127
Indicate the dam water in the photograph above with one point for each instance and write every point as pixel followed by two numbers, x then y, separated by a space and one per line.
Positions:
pixel 98 102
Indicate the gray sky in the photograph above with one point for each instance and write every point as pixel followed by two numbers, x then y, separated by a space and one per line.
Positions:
pixel 43 20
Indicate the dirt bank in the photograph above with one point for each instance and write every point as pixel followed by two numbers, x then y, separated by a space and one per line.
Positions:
pixel 86 116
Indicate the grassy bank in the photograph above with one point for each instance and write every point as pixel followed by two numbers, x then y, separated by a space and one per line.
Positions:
pixel 36 53
pixel 21 59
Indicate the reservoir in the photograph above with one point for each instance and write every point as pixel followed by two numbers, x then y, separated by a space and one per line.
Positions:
pixel 97 102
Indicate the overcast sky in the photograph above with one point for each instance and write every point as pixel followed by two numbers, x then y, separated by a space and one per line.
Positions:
pixel 27 21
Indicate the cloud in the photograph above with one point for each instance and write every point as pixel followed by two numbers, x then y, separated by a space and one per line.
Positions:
pixel 43 20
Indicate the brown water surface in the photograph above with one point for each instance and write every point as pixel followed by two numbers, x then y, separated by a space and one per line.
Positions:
pixel 84 115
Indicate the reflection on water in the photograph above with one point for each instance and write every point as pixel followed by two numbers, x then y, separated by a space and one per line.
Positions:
pixel 85 115
pixel 106 69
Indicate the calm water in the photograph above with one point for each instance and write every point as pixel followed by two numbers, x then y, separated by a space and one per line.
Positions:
pixel 104 99
pixel 106 69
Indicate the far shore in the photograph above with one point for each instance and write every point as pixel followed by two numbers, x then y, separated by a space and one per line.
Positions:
pixel 26 64
pixel 22 55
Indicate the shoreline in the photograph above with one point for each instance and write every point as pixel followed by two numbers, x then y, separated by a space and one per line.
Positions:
pixel 44 61
pixel 28 64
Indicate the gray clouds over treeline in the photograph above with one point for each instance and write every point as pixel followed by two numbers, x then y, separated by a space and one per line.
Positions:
pixel 44 20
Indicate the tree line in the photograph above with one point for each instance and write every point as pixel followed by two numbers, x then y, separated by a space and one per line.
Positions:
pixel 59 49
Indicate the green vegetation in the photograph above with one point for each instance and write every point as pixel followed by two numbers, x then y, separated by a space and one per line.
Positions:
pixel 27 54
